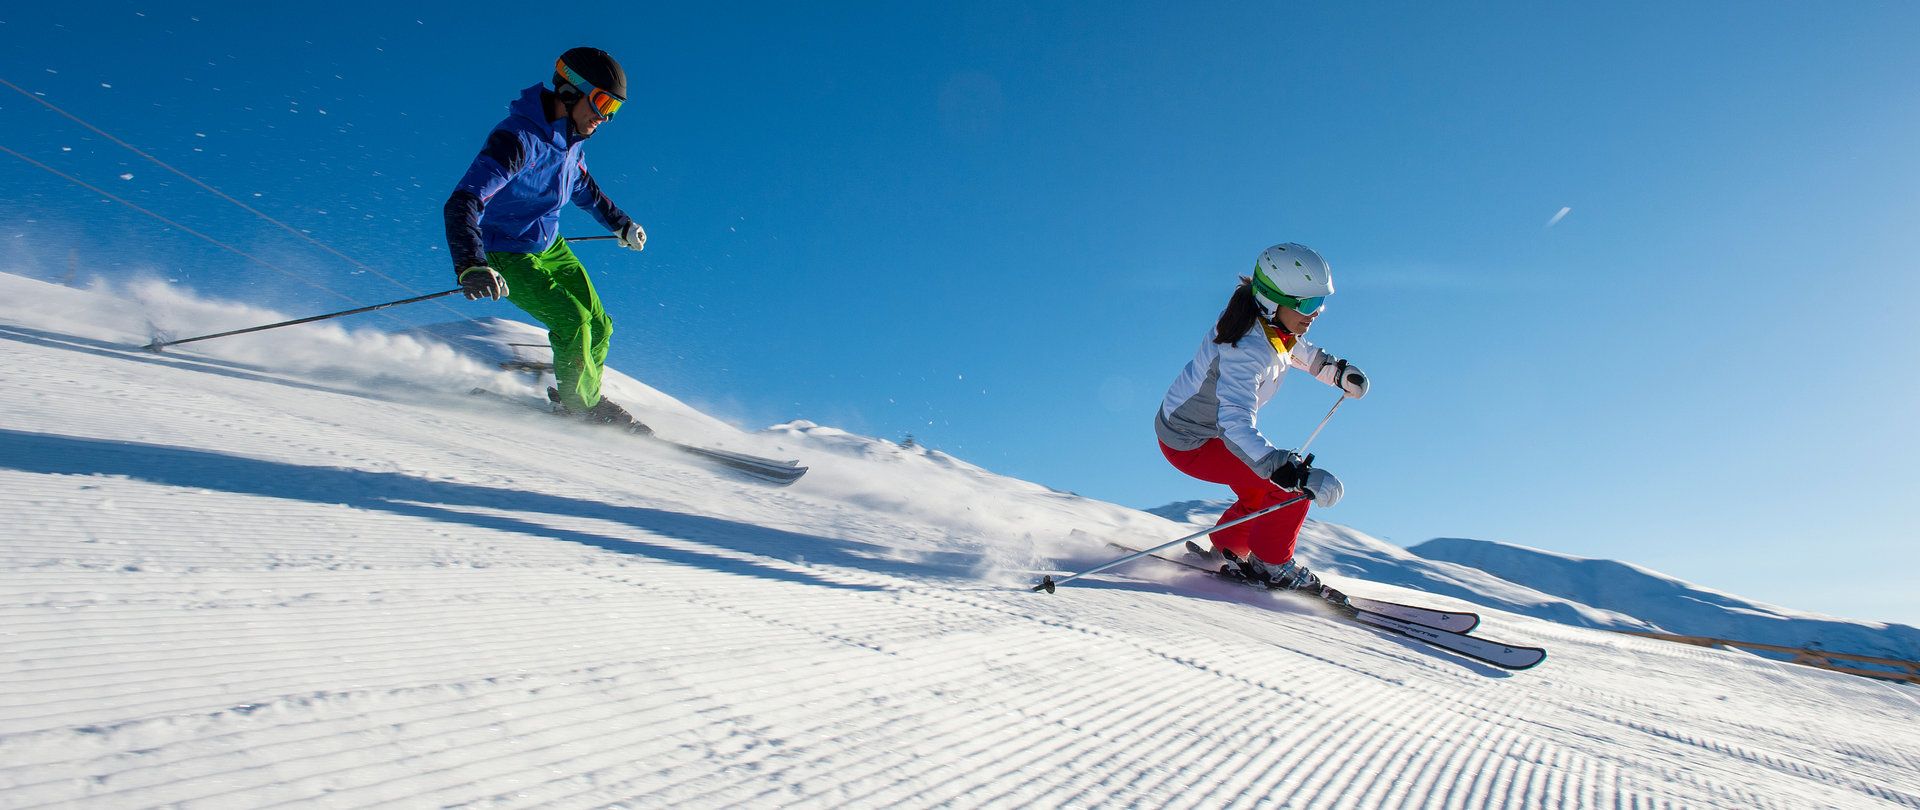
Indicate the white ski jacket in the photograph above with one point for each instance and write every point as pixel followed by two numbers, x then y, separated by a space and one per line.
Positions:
pixel 1219 394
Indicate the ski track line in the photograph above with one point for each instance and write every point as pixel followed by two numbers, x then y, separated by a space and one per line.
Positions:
pixel 485 730
pixel 535 747
pixel 1093 691
pixel 1401 732
pixel 1719 778
pixel 709 797
pixel 1808 684
pixel 1116 706
pixel 287 760
pixel 248 708
pixel 1721 791
pixel 937 665
pixel 1138 769
pixel 360 635
pixel 795 742
pixel 362 647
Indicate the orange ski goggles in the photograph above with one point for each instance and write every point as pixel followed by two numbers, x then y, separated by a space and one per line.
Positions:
pixel 603 102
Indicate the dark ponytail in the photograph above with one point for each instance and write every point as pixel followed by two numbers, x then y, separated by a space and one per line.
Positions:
pixel 1238 318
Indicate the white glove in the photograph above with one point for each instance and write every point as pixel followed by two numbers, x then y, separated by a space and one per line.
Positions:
pixel 633 237
pixel 1342 375
pixel 1324 488
pixel 482 282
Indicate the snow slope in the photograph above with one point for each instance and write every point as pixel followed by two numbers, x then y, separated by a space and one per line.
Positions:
pixel 301 567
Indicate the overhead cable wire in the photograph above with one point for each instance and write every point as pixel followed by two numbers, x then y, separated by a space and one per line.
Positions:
pixel 212 190
pixel 170 223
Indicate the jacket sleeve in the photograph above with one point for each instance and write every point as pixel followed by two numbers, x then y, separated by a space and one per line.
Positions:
pixel 1316 361
pixel 503 157
pixel 1241 367
pixel 587 195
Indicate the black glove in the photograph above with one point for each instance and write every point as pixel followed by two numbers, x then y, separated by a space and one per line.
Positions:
pixel 1299 475
pixel 482 282
pixel 1292 473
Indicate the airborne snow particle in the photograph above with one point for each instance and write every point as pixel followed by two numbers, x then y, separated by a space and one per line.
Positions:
pixel 1558 216
pixel 126 176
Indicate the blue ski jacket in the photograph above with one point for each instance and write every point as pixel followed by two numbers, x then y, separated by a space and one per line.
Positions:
pixel 510 198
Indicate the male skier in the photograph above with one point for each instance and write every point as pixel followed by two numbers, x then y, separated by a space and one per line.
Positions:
pixel 503 222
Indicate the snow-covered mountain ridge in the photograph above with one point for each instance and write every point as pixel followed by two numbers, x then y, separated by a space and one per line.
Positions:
pixel 304 567
pixel 1576 590
pixel 1675 605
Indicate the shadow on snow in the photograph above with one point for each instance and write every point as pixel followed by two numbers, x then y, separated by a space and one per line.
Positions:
pixel 448 502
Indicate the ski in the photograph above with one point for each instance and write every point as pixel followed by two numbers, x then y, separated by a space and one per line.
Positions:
pixel 1452 621
pixel 1408 621
pixel 1485 650
pixel 773 471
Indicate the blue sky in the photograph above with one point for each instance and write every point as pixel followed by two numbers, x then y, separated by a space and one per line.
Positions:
pixel 1004 228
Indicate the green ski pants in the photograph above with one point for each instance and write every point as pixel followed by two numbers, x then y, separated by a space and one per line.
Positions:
pixel 553 287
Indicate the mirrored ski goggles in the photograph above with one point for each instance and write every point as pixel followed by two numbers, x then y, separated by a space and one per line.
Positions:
pixel 603 102
pixel 1304 306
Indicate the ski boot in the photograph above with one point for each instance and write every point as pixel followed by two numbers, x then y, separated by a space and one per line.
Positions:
pixel 1206 556
pixel 1290 576
pixel 604 412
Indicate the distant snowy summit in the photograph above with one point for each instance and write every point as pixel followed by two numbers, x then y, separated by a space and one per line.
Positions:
pixel 1198 513
pixel 1675 605
pixel 1573 590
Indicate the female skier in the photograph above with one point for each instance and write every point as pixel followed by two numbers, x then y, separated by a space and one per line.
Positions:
pixel 1206 424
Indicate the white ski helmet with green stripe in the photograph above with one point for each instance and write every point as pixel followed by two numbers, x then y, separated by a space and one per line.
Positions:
pixel 1291 274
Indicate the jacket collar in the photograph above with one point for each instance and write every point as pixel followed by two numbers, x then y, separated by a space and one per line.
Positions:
pixel 1282 340
pixel 531 106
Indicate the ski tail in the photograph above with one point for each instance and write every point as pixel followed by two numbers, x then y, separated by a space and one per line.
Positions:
pixel 1452 621
pixel 773 471
pixel 765 469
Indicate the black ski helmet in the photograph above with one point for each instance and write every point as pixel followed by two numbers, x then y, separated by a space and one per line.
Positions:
pixel 595 66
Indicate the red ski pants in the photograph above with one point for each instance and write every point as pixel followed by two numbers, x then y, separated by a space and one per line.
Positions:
pixel 1271 538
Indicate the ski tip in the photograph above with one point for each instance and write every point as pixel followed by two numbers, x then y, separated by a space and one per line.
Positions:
pixel 1541 659
pixel 1046 584
pixel 152 347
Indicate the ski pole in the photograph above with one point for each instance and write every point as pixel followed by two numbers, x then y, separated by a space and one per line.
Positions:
pixel 1047 582
pixel 157 345
pixel 1323 423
